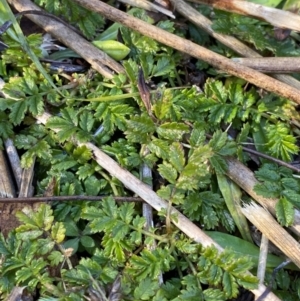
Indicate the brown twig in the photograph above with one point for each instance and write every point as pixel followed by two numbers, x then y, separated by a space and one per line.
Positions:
pixel 271 64
pixel 99 60
pixel 276 17
pixel 279 162
pixel 186 46
pixel 68 198
pixel 236 45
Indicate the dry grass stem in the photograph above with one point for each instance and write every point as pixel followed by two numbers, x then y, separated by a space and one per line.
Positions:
pixel 14 161
pixel 265 223
pixel 271 64
pixel 7 189
pixel 262 261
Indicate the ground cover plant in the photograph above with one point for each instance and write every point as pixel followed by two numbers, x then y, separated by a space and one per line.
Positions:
pixel 206 142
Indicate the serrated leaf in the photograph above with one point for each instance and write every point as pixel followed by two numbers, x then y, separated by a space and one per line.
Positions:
pixel 140 128
pixel 17 113
pixel 55 257
pixel 92 185
pixel 159 147
pixel 268 189
pixel 268 172
pixel 25 141
pixel 292 197
pixel 168 172
pixel 214 295
pixel 172 130
pixel 35 104
pixel 285 212
pixel 65 128
pixel 45 246
pixel 176 156
pixel 28 235
pixel 44 217
pixel 86 121
pixel 235 93
pixel 58 232
pixel 230 286
pixel 82 154
pixel 216 90
pixel 281 144
pixel 197 136
pixel 146 289
pixel 165 192
pixel 85 171
pixel 23 274
pixel 6 128
pixel 163 67
pixel 218 140
pixel 219 164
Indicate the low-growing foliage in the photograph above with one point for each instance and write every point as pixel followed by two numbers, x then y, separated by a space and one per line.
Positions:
pixel 84 250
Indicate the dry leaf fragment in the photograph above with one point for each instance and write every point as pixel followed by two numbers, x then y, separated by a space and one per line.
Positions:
pixel 144 91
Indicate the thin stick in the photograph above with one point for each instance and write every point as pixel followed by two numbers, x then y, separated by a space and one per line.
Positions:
pixel 68 198
pixel 277 17
pixel 236 45
pixel 262 155
pixel 141 189
pixel 7 189
pixel 183 45
pixel 149 6
pixel 263 256
pixel 14 160
pixel 271 64
pixel 99 60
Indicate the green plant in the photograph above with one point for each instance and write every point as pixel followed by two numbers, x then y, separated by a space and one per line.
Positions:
pixel 38 254
pixel 71 251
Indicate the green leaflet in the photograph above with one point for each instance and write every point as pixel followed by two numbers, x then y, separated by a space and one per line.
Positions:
pixel 278 182
pixel 243 247
pixel 232 196
pixel 115 49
